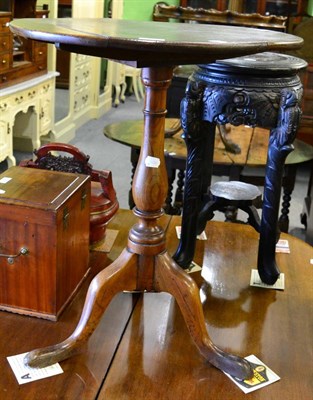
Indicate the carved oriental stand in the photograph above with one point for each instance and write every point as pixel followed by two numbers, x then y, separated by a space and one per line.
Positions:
pixel 257 90
pixel 145 263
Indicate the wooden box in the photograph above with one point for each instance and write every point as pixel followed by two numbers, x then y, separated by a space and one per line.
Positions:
pixel 44 239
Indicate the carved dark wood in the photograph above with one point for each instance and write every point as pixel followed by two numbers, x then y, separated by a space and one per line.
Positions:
pixel 228 197
pixel 103 204
pixel 163 12
pixel 261 90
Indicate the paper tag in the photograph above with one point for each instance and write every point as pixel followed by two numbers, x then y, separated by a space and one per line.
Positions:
pixel 202 235
pixel 25 374
pixel 262 376
pixel 5 179
pixel 255 280
pixel 311 261
pixel 2 191
pixel 151 39
pixel 193 267
pixel 152 162
pixel 282 246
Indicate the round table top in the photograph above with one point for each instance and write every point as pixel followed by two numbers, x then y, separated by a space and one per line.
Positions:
pixel 149 43
pixel 130 132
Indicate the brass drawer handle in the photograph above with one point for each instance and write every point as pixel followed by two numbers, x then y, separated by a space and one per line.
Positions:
pixel 4 62
pixel 23 251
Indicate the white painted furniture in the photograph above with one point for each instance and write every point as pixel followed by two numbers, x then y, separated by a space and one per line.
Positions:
pixel 136 85
pixel 26 115
pixel 118 83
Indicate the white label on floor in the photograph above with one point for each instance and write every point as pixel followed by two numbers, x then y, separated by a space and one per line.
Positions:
pixel 255 280
pixel 5 179
pixel 202 235
pixel 193 267
pixel 262 376
pixel 25 374
pixel 282 246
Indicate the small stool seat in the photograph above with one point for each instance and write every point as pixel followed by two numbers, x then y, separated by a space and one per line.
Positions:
pixel 232 195
pixel 261 90
pixel 235 191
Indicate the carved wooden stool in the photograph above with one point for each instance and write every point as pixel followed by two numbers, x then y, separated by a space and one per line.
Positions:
pixel 103 201
pixel 258 90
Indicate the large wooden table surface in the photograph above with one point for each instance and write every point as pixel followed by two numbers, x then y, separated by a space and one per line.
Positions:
pixel 252 142
pixel 141 348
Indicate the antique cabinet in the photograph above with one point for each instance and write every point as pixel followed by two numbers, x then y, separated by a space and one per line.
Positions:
pixel 20 58
pixel 46 105
pixel 26 115
pixel 277 7
pixel 85 97
pixel 82 80
pixel 44 239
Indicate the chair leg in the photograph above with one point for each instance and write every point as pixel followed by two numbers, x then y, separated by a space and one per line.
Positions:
pixel 116 101
pixel 124 86
pixel 140 86
pixel 135 87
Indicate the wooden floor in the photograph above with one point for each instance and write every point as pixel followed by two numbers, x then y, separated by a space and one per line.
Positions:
pixel 142 350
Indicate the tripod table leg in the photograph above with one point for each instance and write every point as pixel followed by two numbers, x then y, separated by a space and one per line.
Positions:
pixel 120 275
pixel 169 277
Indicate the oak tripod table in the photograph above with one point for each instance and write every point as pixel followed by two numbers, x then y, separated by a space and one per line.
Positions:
pixel 145 265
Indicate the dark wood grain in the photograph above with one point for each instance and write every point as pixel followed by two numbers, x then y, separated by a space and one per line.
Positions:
pixel 153 43
pixel 162 12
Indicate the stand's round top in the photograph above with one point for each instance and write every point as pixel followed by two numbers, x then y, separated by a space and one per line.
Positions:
pixel 147 43
pixel 267 64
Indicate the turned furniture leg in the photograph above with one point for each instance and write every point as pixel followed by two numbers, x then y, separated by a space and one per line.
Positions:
pixel 289 180
pixel 280 145
pixel 119 276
